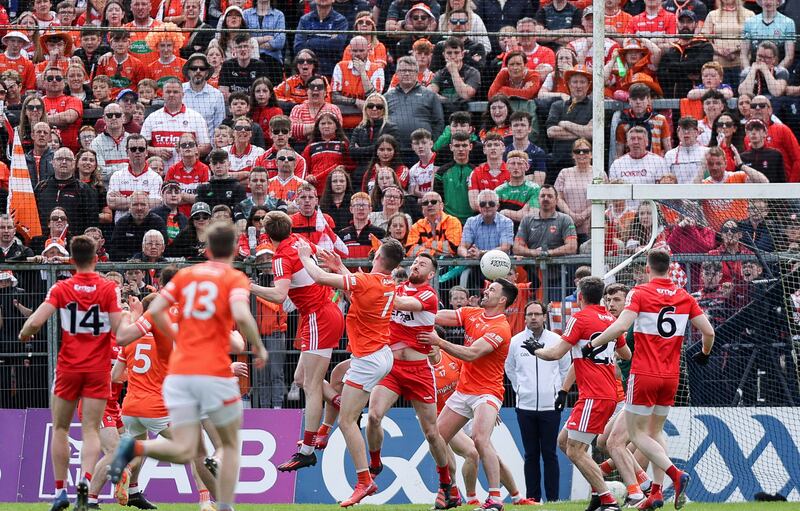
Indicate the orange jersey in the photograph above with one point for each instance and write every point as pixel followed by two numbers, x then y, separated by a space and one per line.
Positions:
pixel 287 190
pixel 718 211
pixel 161 72
pixel 125 75
pixel 62 64
pixel 618 22
pixel 23 66
pixel 370 311
pixel 139 48
pixel 147 367
pixel 204 294
pixel 376 54
pixel 446 374
pixel 484 375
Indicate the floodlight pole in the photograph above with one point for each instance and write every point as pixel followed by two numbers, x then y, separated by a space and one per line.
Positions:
pixel 598 228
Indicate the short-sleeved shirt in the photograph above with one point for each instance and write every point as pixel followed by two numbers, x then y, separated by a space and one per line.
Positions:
pixel 406 325
pixel 189 180
pixel 238 78
pixel 60 104
pixel 446 375
pixel 780 29
pixel 125 75
pixel 578 112
pixel 85 303
pixel 484 375
pixel 552 19
pixel 541 55
pixel 367 322
pixel 515 197
pixel 447 88
pixel 658 129
pixel 663 23
pixel 596 375
pixel 204 294
pixel 421 176
pixel 645 170
pixel 546 233
pixel 305 294
pixel 146 373
pixel 663 313
pixel 487 236
pixel 163 129
pixel 482 179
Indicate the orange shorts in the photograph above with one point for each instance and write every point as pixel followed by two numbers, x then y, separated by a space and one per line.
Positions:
pixel 321 329
pixel 411 379
pixel 71 386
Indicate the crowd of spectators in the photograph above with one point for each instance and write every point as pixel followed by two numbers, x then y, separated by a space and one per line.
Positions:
pixel 139 133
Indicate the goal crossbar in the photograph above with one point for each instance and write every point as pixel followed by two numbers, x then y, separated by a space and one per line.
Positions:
pixel 604 192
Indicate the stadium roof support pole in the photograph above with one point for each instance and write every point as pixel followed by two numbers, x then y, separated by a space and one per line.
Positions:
pixel 598 229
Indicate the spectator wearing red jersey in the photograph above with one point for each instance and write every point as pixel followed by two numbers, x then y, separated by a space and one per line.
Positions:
pixel 13 59
pixel 65 112
pixel 779 136
pixel 327 151
pixel 124 69
pixel 264 105
pixel 654 21
pixel 491 174
pixel 540 58
pixel 387 155
pixel 357 235
pixel 280 128
pixel 189 172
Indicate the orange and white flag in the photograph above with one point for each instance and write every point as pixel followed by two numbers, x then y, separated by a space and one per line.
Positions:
pixel 21 201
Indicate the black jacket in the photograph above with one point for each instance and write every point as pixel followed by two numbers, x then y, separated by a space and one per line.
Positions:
pixel 77 199
pixel 45 166
pixel 226 191
pixel 186 245
pixel 127 237
pixel 767 161
pixel 679 69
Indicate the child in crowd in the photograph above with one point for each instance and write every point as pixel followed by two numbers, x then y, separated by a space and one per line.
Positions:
pixel 148 91
pixel 460 122
pixel 101 91
pixel 421 173
pixel 641 114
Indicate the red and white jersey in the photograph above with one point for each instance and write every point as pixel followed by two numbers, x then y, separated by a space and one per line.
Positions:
pixel 305 294
pixel 126 182
pixel 244 160
pixel 406 325
pixel 596 376
pixel 85 303
pixel 189 180
pixel 422 176
pixel 163 129
pixel 664 311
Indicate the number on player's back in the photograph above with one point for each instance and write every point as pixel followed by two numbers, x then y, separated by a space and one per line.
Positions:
pixel 200 300
pixel 83 322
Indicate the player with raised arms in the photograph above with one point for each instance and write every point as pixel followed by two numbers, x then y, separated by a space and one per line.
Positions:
pixel 89 308
pixel 210 296
pixel 371 298
pixel 415 308
pixel 479 393
pixel 319 332
pixel 595 373
pixel 659 311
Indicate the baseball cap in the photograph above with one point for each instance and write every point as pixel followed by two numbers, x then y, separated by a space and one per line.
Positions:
pixel 8 275
pixel 587 12
pixel 688 13
pixel 200 207
pixel 170 184
pixel 755 124
pixel 125 92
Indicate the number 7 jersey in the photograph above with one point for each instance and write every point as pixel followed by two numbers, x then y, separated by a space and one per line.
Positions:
pixel 203 294
pixel 85 303
pixel 664 311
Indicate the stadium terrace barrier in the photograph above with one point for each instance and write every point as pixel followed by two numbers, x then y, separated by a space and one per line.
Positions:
pixel 726 460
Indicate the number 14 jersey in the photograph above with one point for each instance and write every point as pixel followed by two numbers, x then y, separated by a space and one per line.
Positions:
pixel 85 302
pixel 203 294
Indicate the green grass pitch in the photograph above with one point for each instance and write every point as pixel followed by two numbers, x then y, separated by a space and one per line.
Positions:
pixel 566 506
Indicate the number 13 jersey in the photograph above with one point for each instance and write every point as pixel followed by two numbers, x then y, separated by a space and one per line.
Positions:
pixel 664 311
pixel 203 294
pixel 85 302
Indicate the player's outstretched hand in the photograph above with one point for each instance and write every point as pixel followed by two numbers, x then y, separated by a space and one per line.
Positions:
pixel 136 307
pixel 561 400
pixel 531 346
pixel 429 338
pixel 701 358
pixel 239 369
pixel 329 260
pixel 260 357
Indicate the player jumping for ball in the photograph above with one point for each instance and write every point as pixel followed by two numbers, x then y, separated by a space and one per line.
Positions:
pixel 659 312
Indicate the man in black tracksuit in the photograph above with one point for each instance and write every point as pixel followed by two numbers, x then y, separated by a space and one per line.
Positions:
pixel 221 189
pixel 66 191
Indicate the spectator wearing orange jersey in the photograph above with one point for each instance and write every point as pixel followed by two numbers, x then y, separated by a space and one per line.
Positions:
pixel 436 233
pixel 355 79
pixel 293 89
pixel 616 19
pixel 141 27
pixel 13 59
pixel 124 69
pixel 377 51
pixel 285 184
pixel 166 39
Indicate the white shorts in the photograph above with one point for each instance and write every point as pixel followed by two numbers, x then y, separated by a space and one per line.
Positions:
pixel 139 425
pixel 466 404
pixel 324 352
pixel 189 397
pixel 367 371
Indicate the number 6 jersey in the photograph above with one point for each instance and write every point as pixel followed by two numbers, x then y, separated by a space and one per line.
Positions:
pixel 664 311
pixel 203 294
pixel 85 302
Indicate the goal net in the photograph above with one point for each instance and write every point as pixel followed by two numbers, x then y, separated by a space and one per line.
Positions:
pixel 736 423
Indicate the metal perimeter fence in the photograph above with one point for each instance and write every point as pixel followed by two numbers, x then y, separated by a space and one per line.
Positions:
pixel 754 363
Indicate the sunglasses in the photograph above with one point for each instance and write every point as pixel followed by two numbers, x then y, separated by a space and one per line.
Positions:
pixel 280 131
pixel 458 22
pixel 487 204
pixel 726 125
pixel 187 145
pixel 34 108
pixel 285 158
pixel 137 149
pixel 305 61
pixel 432 202
pixel 258 218
pixel 375 106
pixel 113 115
pixel 201 216
pixel 729 230
pixel 582 151
pixel 58 219
pixel 52 78
pixel 316 86
pixel 759 106
pixel 198 68
pixel 242 128
pixel 421 17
